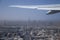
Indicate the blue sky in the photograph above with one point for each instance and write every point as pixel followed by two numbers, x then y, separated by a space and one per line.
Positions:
pixel 7 13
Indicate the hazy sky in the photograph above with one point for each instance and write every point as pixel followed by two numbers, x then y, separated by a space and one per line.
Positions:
pixel 7 13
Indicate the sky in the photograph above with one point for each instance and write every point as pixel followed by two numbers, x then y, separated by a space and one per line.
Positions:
pixel 8 13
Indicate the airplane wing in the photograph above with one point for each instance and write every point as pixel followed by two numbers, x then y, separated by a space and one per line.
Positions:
pixel 52 8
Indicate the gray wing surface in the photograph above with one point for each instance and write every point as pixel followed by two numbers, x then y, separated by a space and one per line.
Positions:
pixel 52 9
